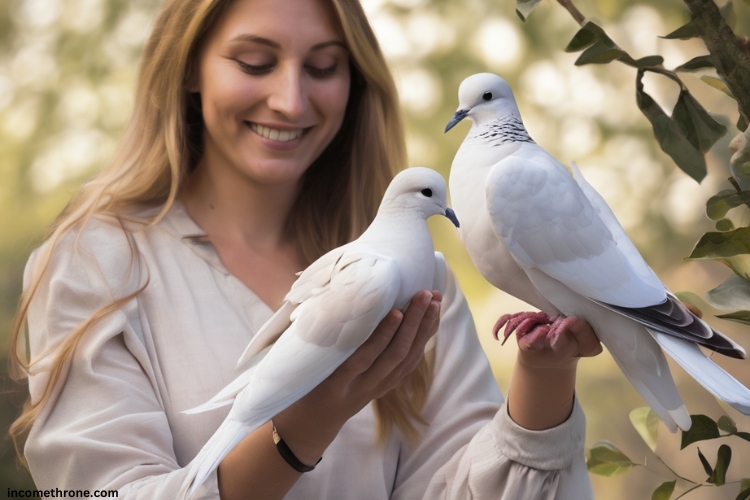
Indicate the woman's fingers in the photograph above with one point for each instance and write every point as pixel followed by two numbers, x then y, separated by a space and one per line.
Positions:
pixel 400 346
pixel 363 358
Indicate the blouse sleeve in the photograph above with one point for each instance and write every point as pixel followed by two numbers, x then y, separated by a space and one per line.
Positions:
pixel 104 425
pixel 478 451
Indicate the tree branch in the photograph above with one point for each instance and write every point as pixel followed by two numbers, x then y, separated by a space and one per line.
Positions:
pixel 732 63
pixel 568 4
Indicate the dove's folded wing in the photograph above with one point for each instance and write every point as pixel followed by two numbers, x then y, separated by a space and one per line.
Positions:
pixel 317 275
pixel 268 333
pixel 671 316
pixel 619 235
pixel 326 329
pixel 540 213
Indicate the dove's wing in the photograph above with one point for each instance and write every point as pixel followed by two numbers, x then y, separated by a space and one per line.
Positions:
pixel 268 333
pixel 326 329
pixel 317 275
pixel 618 233
pixel 671 316
pixel 540 213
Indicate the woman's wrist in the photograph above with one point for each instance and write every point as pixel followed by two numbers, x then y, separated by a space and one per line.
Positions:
pixel 306 439
pixel 541 396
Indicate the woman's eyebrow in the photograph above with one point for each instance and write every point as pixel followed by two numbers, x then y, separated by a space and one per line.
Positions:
pixel 276 45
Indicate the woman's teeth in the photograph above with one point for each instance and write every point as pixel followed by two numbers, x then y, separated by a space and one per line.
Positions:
pixel 275 134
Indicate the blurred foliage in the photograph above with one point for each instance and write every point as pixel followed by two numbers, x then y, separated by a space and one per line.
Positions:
pixel 67 70
pixel 606 459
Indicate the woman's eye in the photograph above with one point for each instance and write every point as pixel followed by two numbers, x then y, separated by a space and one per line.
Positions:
pixel 253 69
pixel 316 72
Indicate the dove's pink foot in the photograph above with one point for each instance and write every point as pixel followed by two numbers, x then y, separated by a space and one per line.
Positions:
pixel 522 323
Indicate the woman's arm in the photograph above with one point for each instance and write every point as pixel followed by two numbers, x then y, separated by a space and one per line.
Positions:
pixel 381 364
pixel 543 383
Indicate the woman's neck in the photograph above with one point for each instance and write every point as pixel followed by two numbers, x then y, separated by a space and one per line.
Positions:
pixel 232 208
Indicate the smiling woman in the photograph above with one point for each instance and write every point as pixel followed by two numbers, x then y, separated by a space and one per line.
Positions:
pixel 264 135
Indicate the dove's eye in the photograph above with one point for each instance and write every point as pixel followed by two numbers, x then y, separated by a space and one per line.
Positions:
pixel 487 96
pixel 427 192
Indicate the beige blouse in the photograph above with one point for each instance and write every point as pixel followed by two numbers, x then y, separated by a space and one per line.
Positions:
pixel 114 421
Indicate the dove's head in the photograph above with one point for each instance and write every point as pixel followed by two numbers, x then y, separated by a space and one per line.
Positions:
pixel 482 98
pixel 418 189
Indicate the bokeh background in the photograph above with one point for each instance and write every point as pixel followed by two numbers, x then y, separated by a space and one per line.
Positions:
pixel 67 71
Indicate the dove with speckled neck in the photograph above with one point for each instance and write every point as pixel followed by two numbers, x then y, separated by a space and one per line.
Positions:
pixel 547 237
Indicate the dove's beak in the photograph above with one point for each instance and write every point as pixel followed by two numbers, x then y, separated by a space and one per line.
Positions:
pixel 452 217
pixel 457 117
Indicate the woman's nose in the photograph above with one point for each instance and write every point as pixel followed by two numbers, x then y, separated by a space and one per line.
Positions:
pixel 289 94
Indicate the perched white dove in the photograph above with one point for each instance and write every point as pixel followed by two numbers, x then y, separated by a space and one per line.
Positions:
pixel 332 308
pixel 548 238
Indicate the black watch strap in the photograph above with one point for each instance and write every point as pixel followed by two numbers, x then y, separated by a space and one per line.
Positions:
pixel 288 455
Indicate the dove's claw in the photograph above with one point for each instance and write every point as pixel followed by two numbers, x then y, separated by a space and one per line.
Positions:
pixel 560 324
pixel 499 324
pixel 522 323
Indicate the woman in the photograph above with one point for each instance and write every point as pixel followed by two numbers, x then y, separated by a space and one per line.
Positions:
pixel 264 134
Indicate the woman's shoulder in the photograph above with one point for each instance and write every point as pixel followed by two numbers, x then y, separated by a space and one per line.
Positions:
pixel 101 247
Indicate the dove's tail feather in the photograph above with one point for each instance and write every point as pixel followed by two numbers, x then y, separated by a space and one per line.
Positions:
pixel 227 394
pixel 208 406
pixel 268 333
pixel 707 373
pixel 226 437
pixel 672 318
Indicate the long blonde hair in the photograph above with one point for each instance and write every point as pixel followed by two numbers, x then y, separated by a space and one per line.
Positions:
pixel 162 144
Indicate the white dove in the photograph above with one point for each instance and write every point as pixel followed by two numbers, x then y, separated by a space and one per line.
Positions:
pixel 331 309
pixel 548 238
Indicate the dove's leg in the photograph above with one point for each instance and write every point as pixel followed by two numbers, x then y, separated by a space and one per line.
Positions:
pixel 522 323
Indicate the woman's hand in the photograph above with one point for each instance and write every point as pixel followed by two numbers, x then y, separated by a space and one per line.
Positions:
pixel 543 382
pixel 381 364
pixel 558 345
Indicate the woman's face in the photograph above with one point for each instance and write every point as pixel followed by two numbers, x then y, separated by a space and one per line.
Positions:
pixel 273 76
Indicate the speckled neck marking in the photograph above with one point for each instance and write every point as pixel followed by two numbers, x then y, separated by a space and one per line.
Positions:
pixel 504 131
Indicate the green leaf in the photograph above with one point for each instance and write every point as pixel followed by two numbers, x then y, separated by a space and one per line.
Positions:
pixel 646 422
pixel 664 491
pixel 726 424
pixel 605 459
pixel 743 435
pixel 704 462
pixel 717 83
pixel 695 64
pixel 732 294
pixel 701 429
pixel 731 248
pixel 581 40
pixel 724 225
pixel 723 458
pixel 599 53
pixel 643 62
pixel 722 202
pixel 690 30
pixel 744 485
pixel 696 124
pixel 669 135
pixel 524 8
pixel 739 317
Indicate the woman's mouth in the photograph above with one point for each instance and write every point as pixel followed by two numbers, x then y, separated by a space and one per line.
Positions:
pixel 276 134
